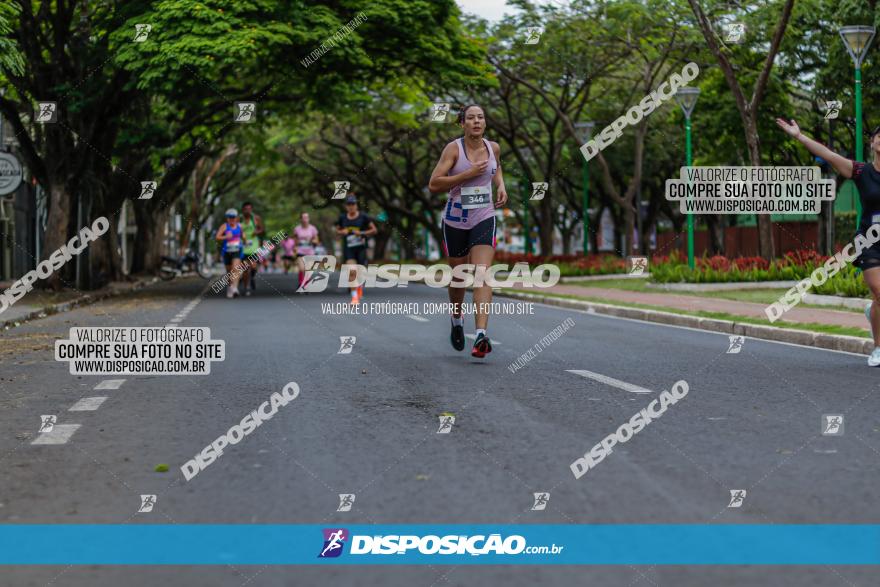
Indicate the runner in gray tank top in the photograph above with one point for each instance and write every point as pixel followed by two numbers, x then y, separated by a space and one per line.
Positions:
pixel 467 170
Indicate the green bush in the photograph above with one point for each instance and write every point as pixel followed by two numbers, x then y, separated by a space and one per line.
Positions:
pixel 848 282
pixel 793 267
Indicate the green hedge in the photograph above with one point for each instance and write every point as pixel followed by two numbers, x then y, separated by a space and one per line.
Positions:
pixel 793 267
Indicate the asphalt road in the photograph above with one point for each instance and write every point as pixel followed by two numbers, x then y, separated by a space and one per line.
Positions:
pixel 366 423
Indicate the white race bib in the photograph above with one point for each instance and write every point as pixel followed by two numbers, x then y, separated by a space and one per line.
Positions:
pixel 477 196
pixel 354 240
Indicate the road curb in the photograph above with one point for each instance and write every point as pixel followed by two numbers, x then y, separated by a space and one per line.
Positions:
pixel 83 300
pixel 836 342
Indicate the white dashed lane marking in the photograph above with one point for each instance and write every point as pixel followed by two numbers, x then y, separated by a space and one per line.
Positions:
pixel 610 381
pixel 59 434
pixel 110 384
pixel 181 316
pixel 88 404
pixel 416 318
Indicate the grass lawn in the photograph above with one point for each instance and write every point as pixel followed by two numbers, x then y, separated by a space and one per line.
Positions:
pixel 810 326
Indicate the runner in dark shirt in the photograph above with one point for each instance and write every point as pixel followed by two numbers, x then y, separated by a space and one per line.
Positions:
pixel 866 176
pixel 355 227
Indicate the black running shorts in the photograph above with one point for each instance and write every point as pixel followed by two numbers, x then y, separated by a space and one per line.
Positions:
pixel 457 242
pixel 869 258
pixel 228 257
pixel 359 254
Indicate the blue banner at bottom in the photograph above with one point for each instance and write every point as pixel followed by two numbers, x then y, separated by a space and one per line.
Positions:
pixel 424 544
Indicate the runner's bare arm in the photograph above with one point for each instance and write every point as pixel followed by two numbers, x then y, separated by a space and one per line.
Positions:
pixel 371 230
pixel 440 182
pixel 221 232
pixel 841 164
pixel 500 189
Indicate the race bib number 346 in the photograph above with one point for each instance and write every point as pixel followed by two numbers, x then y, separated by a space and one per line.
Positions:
pixel 477 196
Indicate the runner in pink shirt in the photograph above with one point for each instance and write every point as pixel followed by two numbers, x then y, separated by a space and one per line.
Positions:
pixel 288 252
pixel 306 237
pixel 468 170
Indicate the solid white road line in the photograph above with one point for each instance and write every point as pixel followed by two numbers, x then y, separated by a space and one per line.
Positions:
pixel 88 404
pixel 610 381
pixel 416 318
pixel 110 384
pixel 59 434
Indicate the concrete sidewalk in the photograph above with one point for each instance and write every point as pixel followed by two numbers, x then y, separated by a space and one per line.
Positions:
pixel 40 303
pixel 679 301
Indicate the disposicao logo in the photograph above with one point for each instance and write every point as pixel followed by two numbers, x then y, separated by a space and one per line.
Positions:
pixel 334 540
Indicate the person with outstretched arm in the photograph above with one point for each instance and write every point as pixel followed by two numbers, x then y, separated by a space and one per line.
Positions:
pixel 866 176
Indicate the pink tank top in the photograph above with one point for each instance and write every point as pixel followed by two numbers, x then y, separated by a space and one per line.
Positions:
pixel 304 237
pixel 467 218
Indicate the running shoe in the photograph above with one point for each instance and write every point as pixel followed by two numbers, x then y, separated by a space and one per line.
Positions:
pixel 247 293
pixel 360 291
pixel 235 293
pixel 456 337
pixel 874 359
pixel 355 299
pixel 482 347
pixel 229 293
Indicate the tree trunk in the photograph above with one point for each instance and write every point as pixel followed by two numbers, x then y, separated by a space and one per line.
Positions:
pixel 380 243
pixel 101 263
pixel 593 230
pixel 545 227
pixel 715 228
pixel 765 225
pixel 148 240
pixel 566 240
pixel 56 230
pixel 629 226
pixel 105 264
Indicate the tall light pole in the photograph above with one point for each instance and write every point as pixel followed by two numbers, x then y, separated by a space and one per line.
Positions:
pixel 857 39
pixel 586 132
pixel 687 99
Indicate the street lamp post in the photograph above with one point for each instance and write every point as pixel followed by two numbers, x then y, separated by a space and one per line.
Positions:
pixel 687 99
pixel 857 39
pixel 586 132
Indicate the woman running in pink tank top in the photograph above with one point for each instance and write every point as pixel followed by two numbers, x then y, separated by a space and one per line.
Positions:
pixel 467 170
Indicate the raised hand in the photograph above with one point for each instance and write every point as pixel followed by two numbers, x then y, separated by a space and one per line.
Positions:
pixel 791 128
